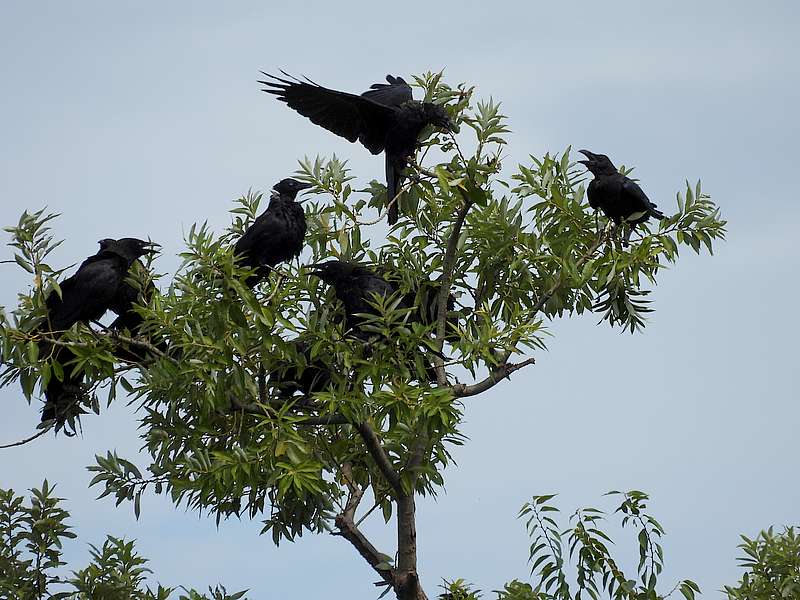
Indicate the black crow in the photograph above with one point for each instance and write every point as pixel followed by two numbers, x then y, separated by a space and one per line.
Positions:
pixel 129 294
pixel 85 296
pixel 620 198
pixel 357 286
pixel 277 234
pixel 385 118
pixel 309 376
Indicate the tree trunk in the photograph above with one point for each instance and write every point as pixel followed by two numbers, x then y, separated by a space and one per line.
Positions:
pixel 407 585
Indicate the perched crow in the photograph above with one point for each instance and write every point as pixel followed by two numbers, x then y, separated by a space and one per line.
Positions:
pixel 123 304
pixel 385 118
pixel 313 375
pixel 277 234
pixel 620 198
pixel 357 286
pixel 85 296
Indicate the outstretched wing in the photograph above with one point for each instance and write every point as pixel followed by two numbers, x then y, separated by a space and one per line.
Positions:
pixel 352 117
pixel 394 93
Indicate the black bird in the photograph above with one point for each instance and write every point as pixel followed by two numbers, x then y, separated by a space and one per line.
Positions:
pixel 277 234
pixel 85 296
pixel 307 375
pixel 386 118
pixel 357 286
pixel 127 295
pixel 620 198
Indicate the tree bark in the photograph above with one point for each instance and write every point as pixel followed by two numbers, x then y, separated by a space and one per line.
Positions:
pixel 407 585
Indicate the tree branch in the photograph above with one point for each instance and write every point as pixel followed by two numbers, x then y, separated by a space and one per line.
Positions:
pixel 580 262
pixel 380 457
pixel 448 265
pixel 377 560
pixel 502 371
pixel 28 439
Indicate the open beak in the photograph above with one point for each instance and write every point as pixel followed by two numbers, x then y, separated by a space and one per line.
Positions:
pixel 314 269
pixel 589 155
pixel 152 247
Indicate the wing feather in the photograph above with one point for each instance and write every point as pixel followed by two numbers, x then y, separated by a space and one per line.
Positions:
pixel 352 117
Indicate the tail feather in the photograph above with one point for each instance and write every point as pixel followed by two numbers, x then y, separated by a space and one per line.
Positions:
pixel 654 212
pixel 392 180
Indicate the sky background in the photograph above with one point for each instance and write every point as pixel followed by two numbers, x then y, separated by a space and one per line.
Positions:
pixel 140 118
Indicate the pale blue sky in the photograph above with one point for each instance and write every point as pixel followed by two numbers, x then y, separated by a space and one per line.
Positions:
pixel 139 118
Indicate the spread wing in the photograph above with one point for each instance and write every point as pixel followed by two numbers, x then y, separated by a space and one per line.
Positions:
pixel 394 93
pixel 352 117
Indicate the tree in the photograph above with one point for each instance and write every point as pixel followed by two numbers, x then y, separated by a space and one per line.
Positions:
pixel 772 561
pixel 513 251
pixel 32 535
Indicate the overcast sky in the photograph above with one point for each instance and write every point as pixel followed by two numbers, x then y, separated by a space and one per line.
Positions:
pixel 140 118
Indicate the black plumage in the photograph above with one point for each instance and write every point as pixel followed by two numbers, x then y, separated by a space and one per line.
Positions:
pixel 306 375
pixel 85 296
pixel 129 294
pixel 386 118
pixel 358 287
pixel 619 197
pixel 276 235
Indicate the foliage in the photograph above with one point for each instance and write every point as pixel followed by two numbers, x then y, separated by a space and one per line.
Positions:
pixel 596 573
pixel 514 251
pixel 31 537
pixel 772 563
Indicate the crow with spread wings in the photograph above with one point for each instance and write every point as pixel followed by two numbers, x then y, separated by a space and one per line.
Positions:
pixel 386 118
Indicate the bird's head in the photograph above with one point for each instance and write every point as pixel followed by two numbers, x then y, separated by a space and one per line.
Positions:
pixel 290 187
pixel 128 248
pixel 333 271
pixel 598 164
pixel 436 115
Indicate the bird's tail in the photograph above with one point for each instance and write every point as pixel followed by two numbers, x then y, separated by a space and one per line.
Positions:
pixel 392 183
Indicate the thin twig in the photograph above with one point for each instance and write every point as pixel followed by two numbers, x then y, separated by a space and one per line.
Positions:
pixel 26 440
pixel 461 390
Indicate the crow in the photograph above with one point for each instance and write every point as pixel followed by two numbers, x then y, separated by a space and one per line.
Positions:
pixel 122 305
pixel 308 375
pixel 386 118
pixel 620 198
pixel 358 287
pixel 85 297
pixel 276 235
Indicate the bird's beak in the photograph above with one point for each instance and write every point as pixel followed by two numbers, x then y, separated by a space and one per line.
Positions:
pixel 452 126
pixel 587 154
pixel 305 185
pixel 314 269
pixel 152 247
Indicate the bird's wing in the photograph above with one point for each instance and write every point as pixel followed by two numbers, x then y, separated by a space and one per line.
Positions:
pixel 394 93
pixel 631 189
pixel 352 117
pixel 86 295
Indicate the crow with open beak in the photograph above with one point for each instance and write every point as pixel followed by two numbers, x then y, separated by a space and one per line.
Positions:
pixel 619 197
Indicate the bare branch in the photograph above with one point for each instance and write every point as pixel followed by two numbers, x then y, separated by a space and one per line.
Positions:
pixel 497 374
pixel 26 440
pixel 377 560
